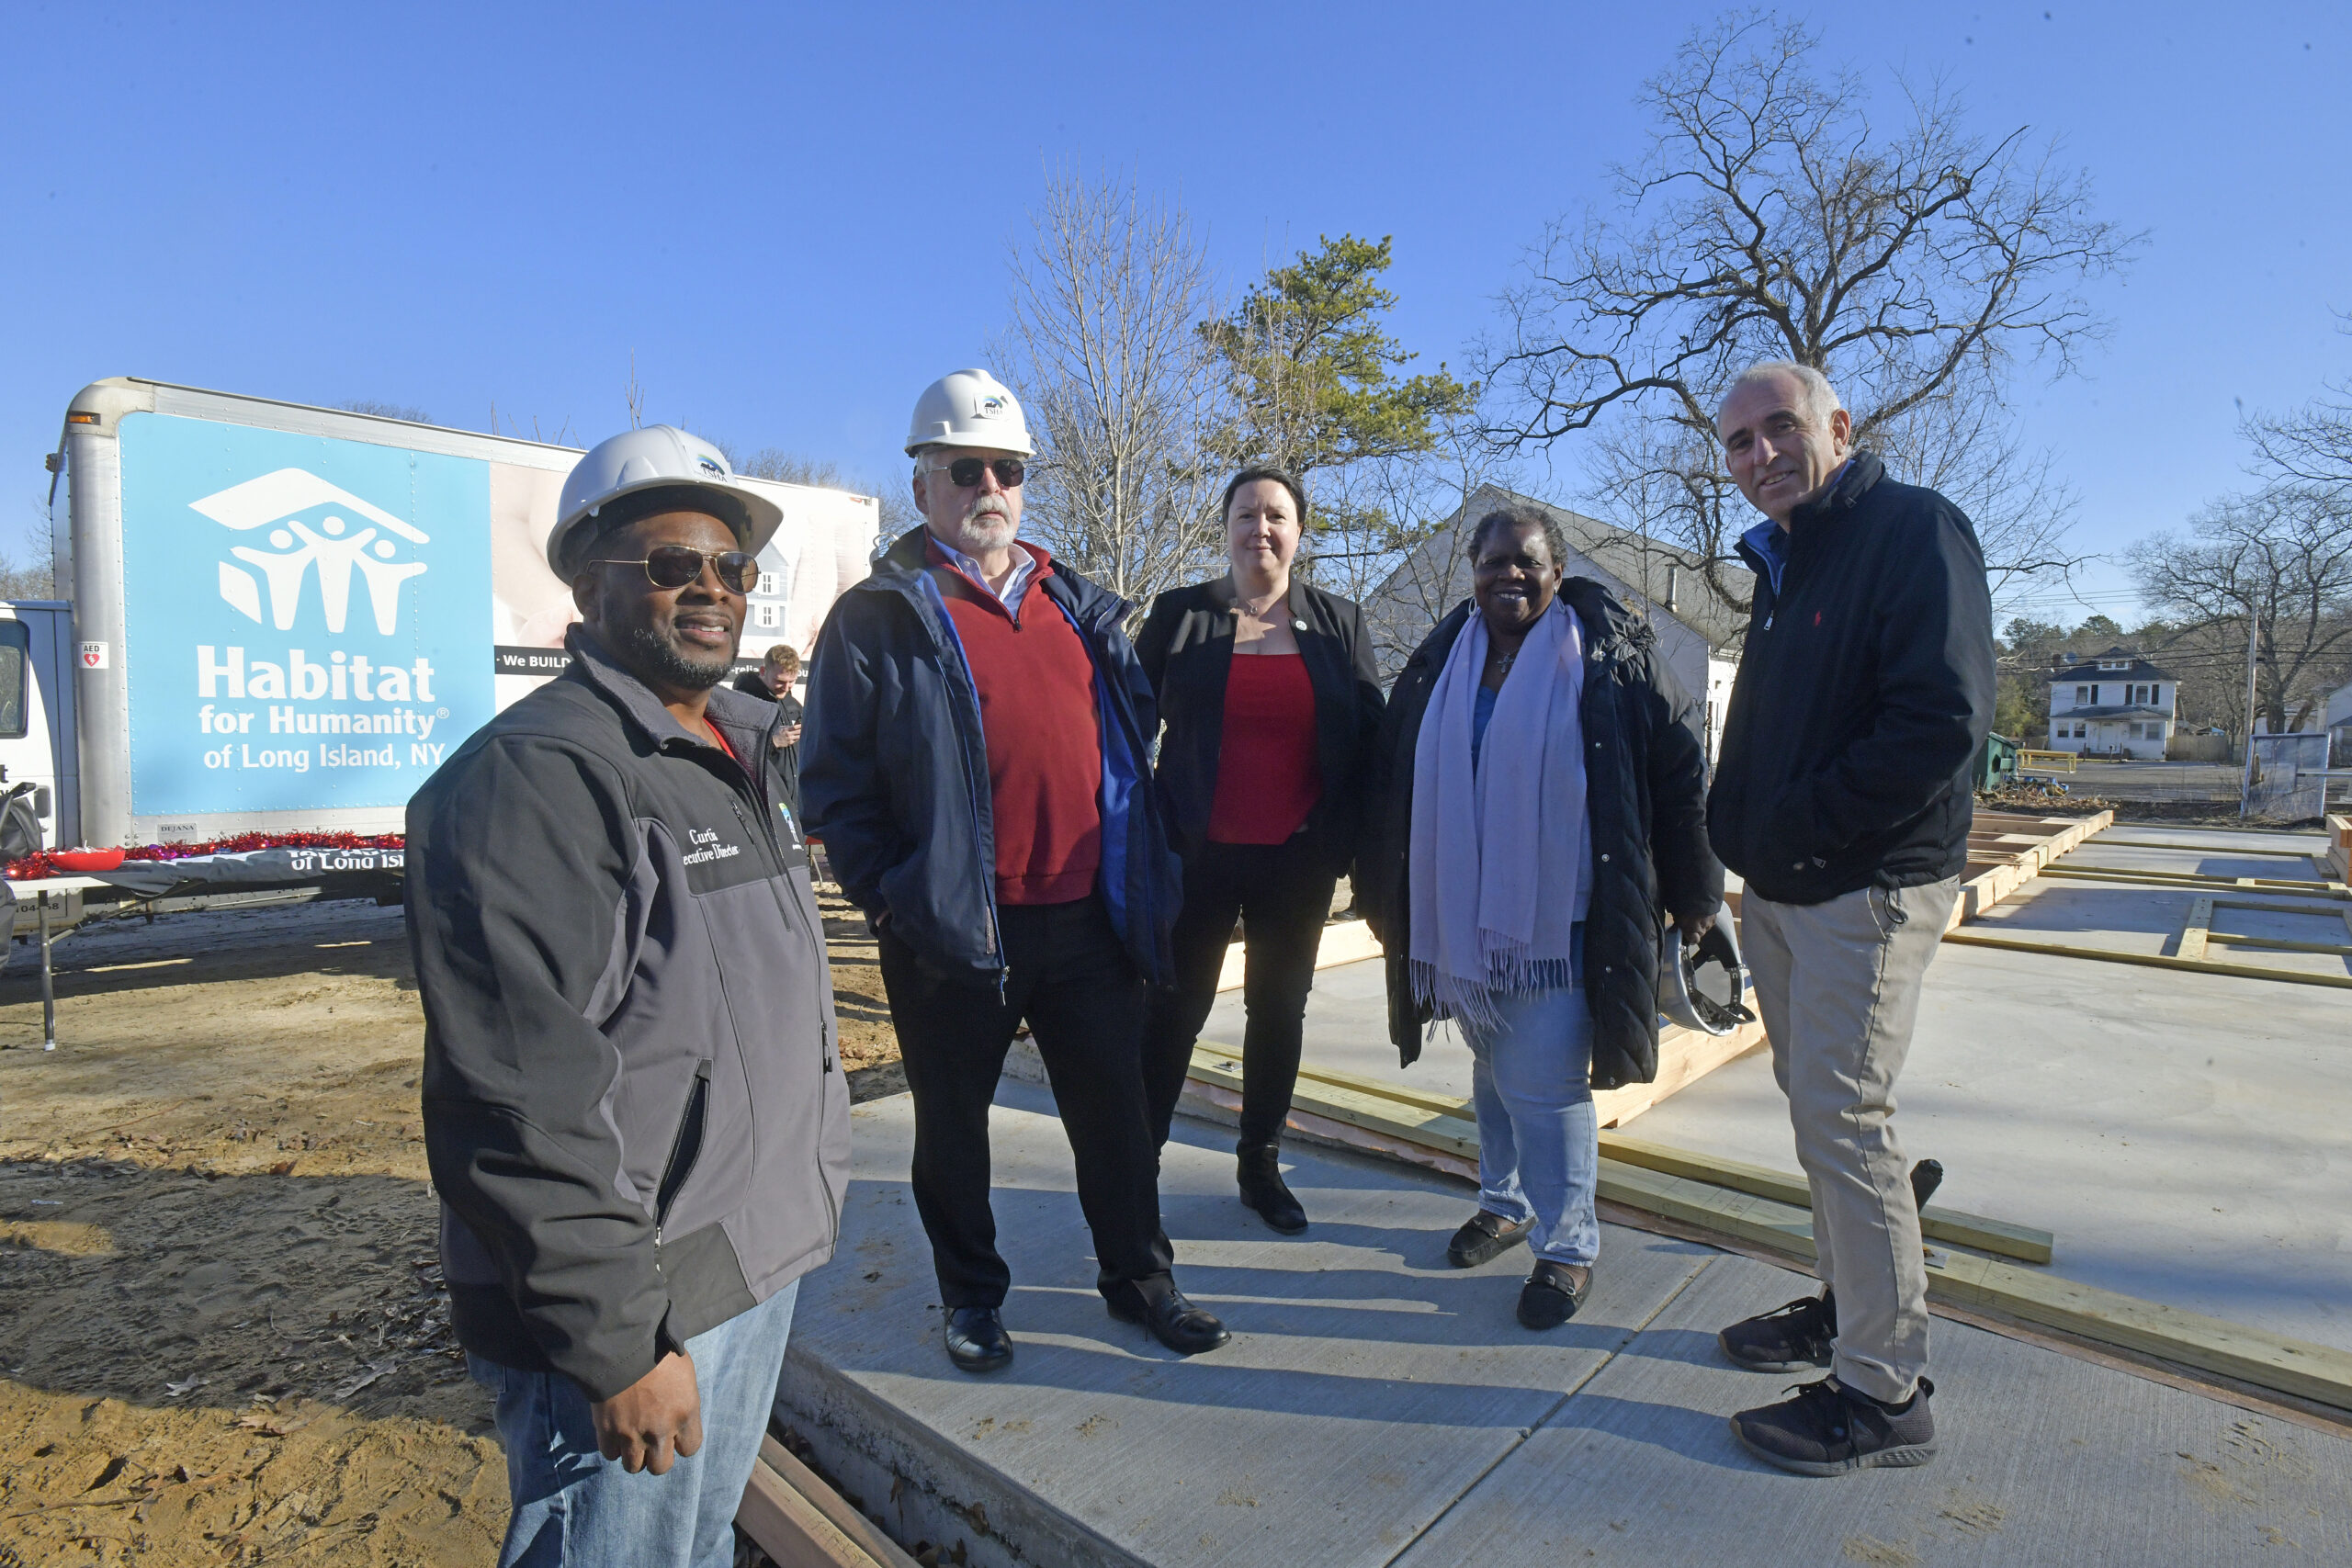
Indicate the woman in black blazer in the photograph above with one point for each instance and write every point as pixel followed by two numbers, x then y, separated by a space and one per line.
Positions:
pixel 1273 708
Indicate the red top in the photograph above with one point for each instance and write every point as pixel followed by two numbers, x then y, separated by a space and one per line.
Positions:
pixel 1038 723
pixel 1267 775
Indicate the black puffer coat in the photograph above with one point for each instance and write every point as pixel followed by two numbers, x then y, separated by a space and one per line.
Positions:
pixel 1645 791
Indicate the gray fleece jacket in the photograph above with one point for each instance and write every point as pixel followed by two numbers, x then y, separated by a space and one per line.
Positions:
pixel 634 1111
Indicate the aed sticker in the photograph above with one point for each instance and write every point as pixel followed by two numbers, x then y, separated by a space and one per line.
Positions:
pixel 97 656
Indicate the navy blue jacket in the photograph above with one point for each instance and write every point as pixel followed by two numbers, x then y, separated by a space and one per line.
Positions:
pixel 1864 690
pixel 894 771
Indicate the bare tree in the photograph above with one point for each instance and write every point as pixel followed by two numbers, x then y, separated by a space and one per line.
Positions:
pixel 2314 444
pixel 1104 350
pixel 2283 555
pixel 1771 219
pixel 35 577
pixel 1392 537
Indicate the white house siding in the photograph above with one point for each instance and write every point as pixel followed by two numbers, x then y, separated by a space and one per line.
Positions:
pixel 2126 710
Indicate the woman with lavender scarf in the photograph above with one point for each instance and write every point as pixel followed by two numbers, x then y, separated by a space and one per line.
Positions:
pixel 1540 810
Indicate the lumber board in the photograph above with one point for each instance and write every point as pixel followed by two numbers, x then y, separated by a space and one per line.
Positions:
pixel 1984 1284
pixel 1453 1135
pixel 833 1506
pixel 2279 944
pixel 1450 1116
pixel 2320 911
pixel 1223 1105
pixel 2198 931
pixel 2152 960
pixel 789 1528
pixel 2274 885
pixel 2275 1361
pixel 2316 1372
pixel 1939 1223
pixel 2208 849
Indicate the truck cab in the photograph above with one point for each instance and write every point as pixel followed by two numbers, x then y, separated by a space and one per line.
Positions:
pixel 38 657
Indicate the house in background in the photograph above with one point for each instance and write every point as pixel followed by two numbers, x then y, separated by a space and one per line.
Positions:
pixel 1699 631
pixel 2111 705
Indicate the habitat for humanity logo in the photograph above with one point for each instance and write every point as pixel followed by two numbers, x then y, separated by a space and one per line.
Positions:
pixel 296 549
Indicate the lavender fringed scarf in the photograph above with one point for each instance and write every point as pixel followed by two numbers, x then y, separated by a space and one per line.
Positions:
pixel 1494 859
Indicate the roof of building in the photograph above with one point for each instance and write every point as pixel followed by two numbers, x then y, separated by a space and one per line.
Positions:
pixel 2086 667
pixel 2139 710
pixel 1647 573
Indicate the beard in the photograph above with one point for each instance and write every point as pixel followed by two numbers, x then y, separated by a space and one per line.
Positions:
pixel 650 651
pixel 987 524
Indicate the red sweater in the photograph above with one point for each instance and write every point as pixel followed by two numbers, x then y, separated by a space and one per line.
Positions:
pixel 1037 720
pixel 1268 778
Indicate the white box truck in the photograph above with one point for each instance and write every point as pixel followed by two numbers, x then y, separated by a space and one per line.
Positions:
pixel 282 618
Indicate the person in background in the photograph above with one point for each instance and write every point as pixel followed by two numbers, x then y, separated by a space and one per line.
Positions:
pixel 978 744
pixel 774 680
pixel 1843 800
pixel 1272 704
pixel 1541 794
pixel 634 1111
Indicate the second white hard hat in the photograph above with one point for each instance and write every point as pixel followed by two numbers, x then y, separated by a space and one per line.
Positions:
pixel 969 408
pixel 657 457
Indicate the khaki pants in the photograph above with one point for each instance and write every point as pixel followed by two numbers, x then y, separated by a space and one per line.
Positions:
pixel 1839 986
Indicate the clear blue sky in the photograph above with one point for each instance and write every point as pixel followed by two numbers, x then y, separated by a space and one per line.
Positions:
pixel 795 216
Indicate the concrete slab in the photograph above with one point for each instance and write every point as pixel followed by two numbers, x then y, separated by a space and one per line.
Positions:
pixel 1376 1408
pixel 2181 1133
pixel 2043 1459
pixel 1367 1386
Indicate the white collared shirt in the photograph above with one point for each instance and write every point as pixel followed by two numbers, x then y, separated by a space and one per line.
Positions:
pixel 1016 586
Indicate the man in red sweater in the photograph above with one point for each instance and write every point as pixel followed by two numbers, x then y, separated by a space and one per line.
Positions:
pixel 978 743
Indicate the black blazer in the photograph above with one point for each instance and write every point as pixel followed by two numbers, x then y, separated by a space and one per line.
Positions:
pixel 1186 649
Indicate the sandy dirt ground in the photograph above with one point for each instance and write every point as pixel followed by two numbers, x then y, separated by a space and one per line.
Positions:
pixel 223 1336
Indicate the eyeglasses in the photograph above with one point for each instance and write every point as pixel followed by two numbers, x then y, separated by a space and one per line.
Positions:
pixel 965 472
pixel 675 565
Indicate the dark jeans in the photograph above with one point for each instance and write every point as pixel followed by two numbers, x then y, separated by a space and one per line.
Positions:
pixel 1084 1004
pixel 1282 895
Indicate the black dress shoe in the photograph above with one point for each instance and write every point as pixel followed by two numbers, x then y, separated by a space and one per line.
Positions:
pixel 1260 1173
pixel 1485 1236
pixel 976 1341
pixel 1173 1321
pixel 1552 1294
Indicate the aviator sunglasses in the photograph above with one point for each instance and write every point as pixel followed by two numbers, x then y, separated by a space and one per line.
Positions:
pixel 965 472
pixel 675 565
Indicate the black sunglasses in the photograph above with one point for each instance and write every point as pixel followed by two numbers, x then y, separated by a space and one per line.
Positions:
pixel 675 565
pixel 965 472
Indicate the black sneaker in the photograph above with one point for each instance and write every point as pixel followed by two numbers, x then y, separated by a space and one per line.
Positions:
pixel 1828 1429
pixel 1788 1339
pixel 1483 1237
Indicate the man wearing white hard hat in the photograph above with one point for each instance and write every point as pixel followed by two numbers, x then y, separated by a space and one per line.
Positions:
pixel 978 735
pixel 634 1111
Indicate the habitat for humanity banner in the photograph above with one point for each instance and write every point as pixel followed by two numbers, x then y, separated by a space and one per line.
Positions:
pixel 306 620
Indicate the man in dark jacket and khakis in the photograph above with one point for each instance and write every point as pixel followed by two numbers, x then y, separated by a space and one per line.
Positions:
pixel 634 1113
pixel 1842 799
pixel 978 769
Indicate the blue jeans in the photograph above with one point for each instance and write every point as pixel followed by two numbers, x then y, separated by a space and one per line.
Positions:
pixel 1538 1142
pixel 574 1508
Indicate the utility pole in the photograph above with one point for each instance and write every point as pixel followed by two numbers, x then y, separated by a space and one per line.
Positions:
pixel 2246 781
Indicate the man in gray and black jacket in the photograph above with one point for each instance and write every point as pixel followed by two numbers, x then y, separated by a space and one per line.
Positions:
pixel 634 1111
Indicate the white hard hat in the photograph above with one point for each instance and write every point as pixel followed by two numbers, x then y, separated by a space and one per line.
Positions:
pixel 1680 996
pixel 658 456
pixel 969 408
